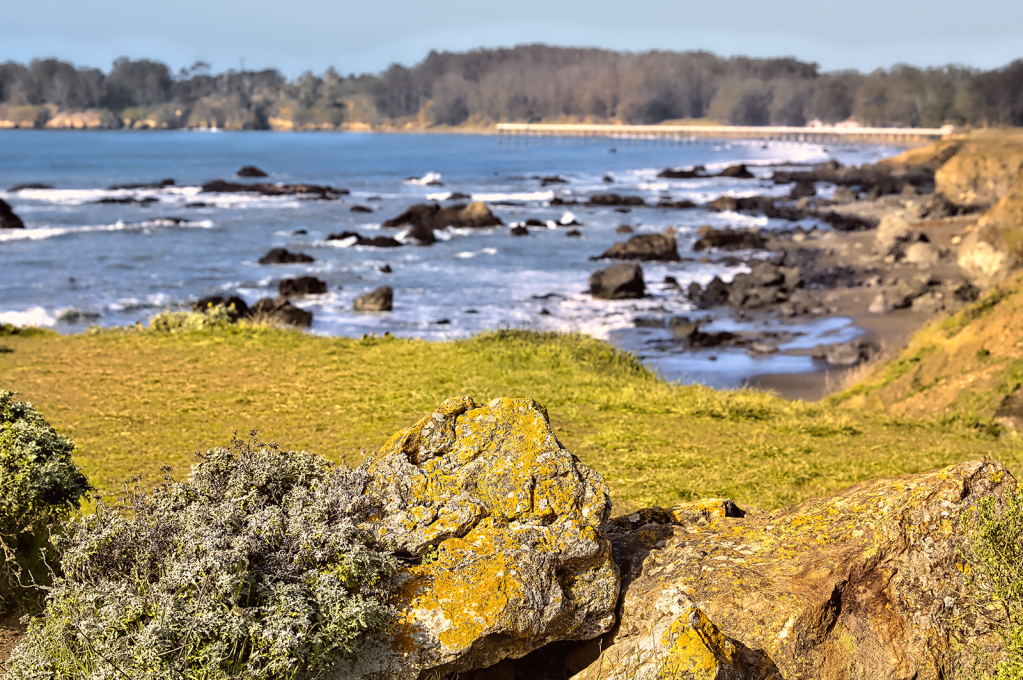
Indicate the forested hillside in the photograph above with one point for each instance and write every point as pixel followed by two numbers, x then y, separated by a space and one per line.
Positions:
pixel 525 83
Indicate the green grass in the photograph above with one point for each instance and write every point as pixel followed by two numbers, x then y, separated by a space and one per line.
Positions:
pixel 134 401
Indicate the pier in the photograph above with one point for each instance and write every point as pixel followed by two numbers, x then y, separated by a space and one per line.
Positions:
pixel 681 134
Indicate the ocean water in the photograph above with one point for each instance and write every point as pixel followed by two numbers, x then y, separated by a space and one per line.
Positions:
pixel 118 264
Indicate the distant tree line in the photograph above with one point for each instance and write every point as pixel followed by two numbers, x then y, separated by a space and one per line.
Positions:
pixel 525 83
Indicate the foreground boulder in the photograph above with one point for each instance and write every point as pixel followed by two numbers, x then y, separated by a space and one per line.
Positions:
pixel 510 521
pixel 865 584
pixel 618 282
pixel 379 300
pixel 645 247
pixel 8 219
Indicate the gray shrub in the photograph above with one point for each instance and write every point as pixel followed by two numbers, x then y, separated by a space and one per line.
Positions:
pixel 253 567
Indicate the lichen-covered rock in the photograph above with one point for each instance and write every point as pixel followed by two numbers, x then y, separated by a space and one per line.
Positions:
pixel 501 526
pixel 865 584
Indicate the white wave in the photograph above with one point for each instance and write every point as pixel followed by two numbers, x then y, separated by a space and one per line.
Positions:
pixel 84 196
pixel 515 196
pixel 342 243
pixel 41 233
pixel 429 179
pixel 466 254
pixel 442 196
pixel 33 316
pixel 567 218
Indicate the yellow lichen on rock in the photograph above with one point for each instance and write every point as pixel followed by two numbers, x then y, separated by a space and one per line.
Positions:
pixel 862 584
pixel 514 518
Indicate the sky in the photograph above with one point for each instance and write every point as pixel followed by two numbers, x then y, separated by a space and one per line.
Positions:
pixel 368 35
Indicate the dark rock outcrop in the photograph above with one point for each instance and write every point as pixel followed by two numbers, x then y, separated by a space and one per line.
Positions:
pixel 552 179
pixel 251 171
pixel 265 189
pixel 803 189
pixel 8 218
pixel 736 172
pixel 729 239
pixel 873 180
pixel 379 300
pixel 677 205
pixel 29 185
pixel 360 209
pixel 616 200
pixel 280 311
pixel 300 287
pixel 645 247
pixel 360 240
pixel 126 200
pixel 149 185
pixel 519 230
pixel 670 173
pixel 284 256
pixel 430 216
pixel 618 282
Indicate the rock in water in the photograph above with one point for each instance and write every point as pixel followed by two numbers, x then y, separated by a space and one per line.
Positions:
pixel 284 256
pixel 251 171
pixel 737 172
pixel 304 285
pixel 280 311
pixel 379 300
pixel 645 247
pixel 510 521
pixel 803 189
pixel 729 239
pixel 864 584
pixel 618 282
pixel 8 220
pixel 430 216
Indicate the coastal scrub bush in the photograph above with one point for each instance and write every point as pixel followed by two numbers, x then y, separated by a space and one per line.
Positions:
pixel 994 568
pixel 253 567
pixel 39 485
pixel 171 321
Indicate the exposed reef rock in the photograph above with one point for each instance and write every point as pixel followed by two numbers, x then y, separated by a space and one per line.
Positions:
pixel 618 282
pixel 360 240
pixel 433 216
pixel 300 287
pixel 264 189
pixel 645 247
pixel 284 256
pixel 280 311
pixel 378 300
pixel 8 219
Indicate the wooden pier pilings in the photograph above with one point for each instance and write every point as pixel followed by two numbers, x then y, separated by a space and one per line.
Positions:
pixel 687 133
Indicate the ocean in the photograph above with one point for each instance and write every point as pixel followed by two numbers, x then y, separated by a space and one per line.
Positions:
pixel 80 262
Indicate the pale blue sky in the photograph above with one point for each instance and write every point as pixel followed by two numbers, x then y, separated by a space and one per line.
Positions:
pixel 295 35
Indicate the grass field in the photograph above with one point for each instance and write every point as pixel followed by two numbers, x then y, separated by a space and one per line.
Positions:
pixel 135 401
